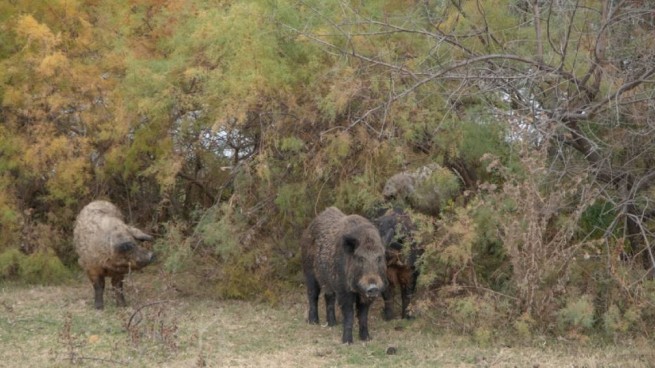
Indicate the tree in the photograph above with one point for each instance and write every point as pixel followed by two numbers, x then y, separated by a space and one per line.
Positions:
pixel 573 76
pixel 231 124
pixel 54 97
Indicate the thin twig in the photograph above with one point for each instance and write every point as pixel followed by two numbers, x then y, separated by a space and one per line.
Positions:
pixel 100 360
pixel 129 323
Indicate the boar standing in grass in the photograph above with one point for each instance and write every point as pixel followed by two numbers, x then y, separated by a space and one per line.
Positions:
pixel 343 256
pixel 107 247
pixel 402 251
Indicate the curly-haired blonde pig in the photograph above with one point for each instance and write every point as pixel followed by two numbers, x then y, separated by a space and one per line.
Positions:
pixel 107 247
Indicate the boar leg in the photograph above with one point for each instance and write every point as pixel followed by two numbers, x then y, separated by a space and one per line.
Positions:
pixel 330 299
pixel 362 317
pixel 313 291
pixel 99 289
pixel 347 312
pixel 406 296
pixel 117 284
pixel 407 291
pixel 387 295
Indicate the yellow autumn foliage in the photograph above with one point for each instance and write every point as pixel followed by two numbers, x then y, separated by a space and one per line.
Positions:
pixel 69 180
pixel 85 36
pixel 166 171
pixel 12 97
pixel 53 63
pixel 31 29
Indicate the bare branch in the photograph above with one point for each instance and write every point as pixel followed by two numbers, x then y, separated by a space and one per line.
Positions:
pixel 590 111
pixel 600 43
pixel 198 184
pixel 537 28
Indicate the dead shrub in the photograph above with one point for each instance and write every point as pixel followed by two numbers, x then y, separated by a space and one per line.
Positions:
pixel 537 227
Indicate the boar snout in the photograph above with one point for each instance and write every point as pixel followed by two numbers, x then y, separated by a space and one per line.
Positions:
pixel 372 291
pixel 372 287
pixel 145 258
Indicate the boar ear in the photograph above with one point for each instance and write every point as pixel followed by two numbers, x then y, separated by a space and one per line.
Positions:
pixel 138 234
pixel 388 237
pixel 124 247
pixel 349 243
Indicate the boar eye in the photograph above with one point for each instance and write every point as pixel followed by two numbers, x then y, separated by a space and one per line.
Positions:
pixel 125 247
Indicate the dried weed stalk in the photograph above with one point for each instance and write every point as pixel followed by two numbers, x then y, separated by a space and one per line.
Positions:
pixel 540 217
pixel 153 324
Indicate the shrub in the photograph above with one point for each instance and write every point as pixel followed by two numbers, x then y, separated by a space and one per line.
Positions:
pixel 616 323
pixel 174 248
pixel 524 325
pixel 222 254
pixel 473 314
pixel 43 268
pixel 9 266
pixel 449 252
pixel 577 315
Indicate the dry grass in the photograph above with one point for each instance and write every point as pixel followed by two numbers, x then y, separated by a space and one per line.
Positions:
pixel 57 327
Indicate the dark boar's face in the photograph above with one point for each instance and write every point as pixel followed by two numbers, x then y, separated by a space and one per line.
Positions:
pixel 131 256
pixel 367 266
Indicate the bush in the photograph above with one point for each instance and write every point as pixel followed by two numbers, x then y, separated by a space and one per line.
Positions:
pixel 43 268
pixel 222 255
pixel 357 195
pixel 617 324
pixel 173 248
pixel 441 181
pixel 237 281
pixel 524 325
pixel 9 266
pixel 449 253
pixel 577 315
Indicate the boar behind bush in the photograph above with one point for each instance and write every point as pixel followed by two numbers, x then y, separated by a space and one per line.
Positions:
pixel 343 256
pixel 426 189
pixel 107 247
pixel 402 251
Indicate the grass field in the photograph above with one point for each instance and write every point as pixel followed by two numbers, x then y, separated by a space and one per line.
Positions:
pixel 162 327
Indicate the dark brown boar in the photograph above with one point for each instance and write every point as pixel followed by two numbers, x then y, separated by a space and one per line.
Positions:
pixel 107 247
pixel 396 229
pixel 343 256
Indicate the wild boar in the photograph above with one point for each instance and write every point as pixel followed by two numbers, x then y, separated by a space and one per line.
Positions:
pixel 402 251
pixel 107 247
pixel 343 256
pixel 425 189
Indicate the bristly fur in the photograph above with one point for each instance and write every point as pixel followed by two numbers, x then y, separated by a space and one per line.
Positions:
pixel 343 256
pixel 402 251
pixel 409 187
